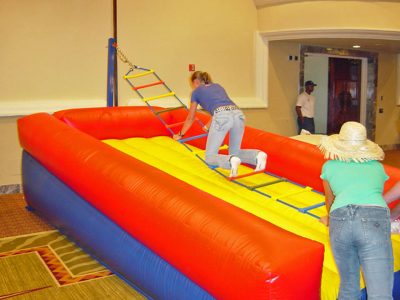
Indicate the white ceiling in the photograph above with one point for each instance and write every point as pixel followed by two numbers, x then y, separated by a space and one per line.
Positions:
pixel 262 3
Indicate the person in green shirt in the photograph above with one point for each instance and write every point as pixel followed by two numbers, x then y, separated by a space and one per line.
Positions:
pixel 359 219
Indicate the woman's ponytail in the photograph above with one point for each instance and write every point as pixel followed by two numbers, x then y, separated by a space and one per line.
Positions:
pixel 204 77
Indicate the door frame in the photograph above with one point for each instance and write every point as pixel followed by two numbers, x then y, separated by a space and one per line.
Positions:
pixel 369 79
pixel 297 35
pixel 364 80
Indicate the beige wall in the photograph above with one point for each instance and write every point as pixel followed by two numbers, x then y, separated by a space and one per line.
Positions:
pixel 283 86
pixel 53 51
pixel 10 152
pixel 387 123
pixel 330 14
pixel 217 36
pixel 55 55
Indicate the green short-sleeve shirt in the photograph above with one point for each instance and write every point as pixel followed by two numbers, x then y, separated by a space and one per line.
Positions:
pixel 355 183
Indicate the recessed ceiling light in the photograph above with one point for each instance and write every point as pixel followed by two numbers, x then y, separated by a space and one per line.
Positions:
pixel 329 49
pixel 356 46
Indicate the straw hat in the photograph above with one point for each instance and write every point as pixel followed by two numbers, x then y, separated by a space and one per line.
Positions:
pixel 351 144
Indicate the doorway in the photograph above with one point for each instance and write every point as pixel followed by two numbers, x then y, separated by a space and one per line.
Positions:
pixel 317 63
pixel 316 68
pixel 344 92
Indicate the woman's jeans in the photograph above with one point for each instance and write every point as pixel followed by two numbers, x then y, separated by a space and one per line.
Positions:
pixel 223 122
pixel 360 236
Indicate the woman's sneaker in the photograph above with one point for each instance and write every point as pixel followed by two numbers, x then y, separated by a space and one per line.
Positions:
pixel 395 226
pixel 261 160
pixel 235 163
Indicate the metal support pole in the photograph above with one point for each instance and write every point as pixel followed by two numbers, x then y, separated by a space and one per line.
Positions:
pixel 115 32
pixel 110 72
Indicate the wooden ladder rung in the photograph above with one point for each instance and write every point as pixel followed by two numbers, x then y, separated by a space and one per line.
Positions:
pixel 304 190
pixel 169 109
pixel 147 85
pixel 195 137
pixel 158 97
pixel 138 74
pixel 175 124
pixel 246 175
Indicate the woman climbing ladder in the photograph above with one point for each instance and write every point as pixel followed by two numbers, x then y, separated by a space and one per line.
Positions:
pixel 226 117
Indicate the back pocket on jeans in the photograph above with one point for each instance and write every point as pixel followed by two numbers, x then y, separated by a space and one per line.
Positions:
pixel 376 231
pixel 335 228
pixel 221 124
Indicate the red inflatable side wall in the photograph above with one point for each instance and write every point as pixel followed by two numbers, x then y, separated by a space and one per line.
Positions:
pixel 229 252
pixel 297 161
pixel 115 122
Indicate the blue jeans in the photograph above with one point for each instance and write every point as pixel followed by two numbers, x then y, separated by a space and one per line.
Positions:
pixel 222 123
pixel 360 236
pixel 307 124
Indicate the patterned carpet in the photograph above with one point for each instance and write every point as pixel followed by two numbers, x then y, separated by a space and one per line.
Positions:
pixel 15 219
pixel 37 262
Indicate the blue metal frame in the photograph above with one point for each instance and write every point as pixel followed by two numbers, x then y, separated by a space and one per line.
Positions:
pixel 110 72
pixel 191 138
pixel 305 209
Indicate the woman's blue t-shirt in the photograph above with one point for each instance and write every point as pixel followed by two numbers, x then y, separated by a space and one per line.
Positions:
pixel 355 183
pixel 210 97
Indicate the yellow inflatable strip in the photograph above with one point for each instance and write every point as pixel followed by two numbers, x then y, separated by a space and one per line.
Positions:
pixel 173 158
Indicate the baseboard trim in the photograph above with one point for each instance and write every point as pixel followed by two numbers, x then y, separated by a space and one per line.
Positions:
pixel 22 108
pixel 242 102
pixel 10 189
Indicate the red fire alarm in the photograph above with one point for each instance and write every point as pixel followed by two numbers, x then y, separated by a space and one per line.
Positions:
pixel 192 67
